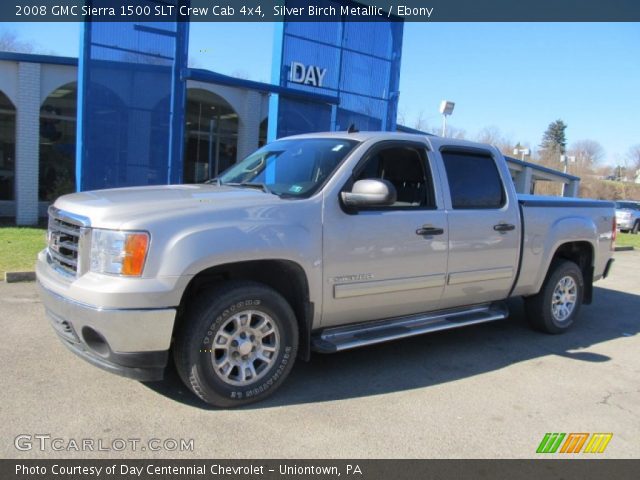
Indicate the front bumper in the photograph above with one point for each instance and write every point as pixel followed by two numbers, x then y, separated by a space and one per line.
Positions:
pixel 133 343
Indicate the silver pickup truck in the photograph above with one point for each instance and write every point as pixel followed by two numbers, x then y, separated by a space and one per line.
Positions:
pixel 319 242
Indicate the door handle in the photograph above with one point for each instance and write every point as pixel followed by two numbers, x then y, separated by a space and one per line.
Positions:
pixel 429 231
pixel 504 227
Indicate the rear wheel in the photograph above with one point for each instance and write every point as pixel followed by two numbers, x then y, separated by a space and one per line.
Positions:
pixel 555 308
pixel 238 344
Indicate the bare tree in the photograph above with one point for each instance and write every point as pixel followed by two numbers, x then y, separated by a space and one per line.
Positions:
pixel 603 171
pixel 454 132
pixel 588 154
pixel 420 122
pixel 493 136
pixel 490 135
pixel 9 42
pixel 633 157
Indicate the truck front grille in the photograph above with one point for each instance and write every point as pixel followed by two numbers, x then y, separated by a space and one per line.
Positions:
pixel 64 240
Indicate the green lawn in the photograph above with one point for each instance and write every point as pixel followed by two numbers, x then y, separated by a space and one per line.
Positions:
pixel 626 240
pixel 18 248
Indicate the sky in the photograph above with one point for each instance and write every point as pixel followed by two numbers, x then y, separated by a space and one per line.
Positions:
pixel 514 77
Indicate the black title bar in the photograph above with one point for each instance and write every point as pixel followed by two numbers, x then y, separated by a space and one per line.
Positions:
pixel 200 469
pixel 319 11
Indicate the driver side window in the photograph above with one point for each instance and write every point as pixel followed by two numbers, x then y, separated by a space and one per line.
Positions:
pixel 406 168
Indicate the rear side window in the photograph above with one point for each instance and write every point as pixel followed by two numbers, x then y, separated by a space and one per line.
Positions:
pixel 474 181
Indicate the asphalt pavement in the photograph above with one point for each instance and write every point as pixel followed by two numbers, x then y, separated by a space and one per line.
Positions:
pixel 485 391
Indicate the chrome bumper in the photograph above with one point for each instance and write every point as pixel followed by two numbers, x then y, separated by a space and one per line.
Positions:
pixel 130 342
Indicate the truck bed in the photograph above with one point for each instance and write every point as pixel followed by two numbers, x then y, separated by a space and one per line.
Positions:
pixel 548 222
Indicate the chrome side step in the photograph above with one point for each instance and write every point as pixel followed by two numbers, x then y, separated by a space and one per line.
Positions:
pixel 336 339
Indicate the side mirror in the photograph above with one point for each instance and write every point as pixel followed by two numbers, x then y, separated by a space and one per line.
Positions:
pixel 370 193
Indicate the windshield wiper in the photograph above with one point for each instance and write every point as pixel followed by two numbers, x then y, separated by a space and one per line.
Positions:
pixel 211 181
pixel 258 186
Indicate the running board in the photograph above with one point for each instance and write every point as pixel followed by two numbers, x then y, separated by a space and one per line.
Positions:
pixel 336 339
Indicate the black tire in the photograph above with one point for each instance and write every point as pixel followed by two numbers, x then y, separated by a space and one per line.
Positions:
pixel 636 227
pixel 221 315
pixel 540 308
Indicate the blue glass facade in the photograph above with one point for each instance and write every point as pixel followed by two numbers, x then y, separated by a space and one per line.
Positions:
pixel 132 84
pixel 357 62
pixel 131 103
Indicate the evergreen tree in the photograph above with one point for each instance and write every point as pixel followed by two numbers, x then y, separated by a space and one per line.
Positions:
pixel 554 141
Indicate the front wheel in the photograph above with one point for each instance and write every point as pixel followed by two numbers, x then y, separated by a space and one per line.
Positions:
pixel 238 344
pixel 636 227
pixel 555 308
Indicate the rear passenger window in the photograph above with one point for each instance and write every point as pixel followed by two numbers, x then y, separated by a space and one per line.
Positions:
pixel 474 181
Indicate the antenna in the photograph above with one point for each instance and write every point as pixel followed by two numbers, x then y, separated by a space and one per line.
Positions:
pixel 352 128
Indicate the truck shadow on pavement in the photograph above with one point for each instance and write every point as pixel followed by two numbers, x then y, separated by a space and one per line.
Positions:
pixel 442 357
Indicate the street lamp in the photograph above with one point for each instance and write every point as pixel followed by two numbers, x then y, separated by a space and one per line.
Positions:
pixel 446 108
pixel 524 152
pixel 566 159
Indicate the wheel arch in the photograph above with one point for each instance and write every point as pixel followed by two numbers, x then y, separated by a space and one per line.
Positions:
pixel 582 254
pixel 286 277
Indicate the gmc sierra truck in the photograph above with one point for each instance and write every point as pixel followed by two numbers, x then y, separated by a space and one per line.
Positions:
pixel 318 242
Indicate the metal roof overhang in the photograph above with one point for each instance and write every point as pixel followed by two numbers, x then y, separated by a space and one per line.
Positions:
pixel 540 172
pixel 219 79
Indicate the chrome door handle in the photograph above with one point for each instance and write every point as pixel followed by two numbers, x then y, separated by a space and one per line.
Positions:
pixel 429 231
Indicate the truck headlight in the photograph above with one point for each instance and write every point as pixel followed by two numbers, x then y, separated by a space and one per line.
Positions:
pixel 118 253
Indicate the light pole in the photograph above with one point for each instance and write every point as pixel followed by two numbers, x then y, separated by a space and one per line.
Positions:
pixel 524 152
pixel 446 109
pixel 565 159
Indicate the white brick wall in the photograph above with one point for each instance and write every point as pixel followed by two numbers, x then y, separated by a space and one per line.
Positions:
pixel 249 124
pixel 27 143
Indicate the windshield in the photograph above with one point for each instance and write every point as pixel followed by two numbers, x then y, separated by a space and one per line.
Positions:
pixel 628 205
pixel 295 168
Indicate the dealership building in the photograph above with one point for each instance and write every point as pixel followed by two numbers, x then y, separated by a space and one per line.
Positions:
pixel 111 118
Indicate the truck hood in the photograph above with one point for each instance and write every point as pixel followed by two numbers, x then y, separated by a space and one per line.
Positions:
pixel 119 206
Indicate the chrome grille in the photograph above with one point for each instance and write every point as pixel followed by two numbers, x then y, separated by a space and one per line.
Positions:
pixel 65 235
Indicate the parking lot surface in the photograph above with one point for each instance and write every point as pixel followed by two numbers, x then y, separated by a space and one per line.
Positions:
pixel 486 391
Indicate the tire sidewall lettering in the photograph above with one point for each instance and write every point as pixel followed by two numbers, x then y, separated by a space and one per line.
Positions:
pixel 285 354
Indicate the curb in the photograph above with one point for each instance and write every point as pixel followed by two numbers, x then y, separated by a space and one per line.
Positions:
pixel 624 249
pixel 14 277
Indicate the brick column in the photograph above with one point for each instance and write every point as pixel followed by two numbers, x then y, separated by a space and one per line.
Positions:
pixel 249 125
pixel 27 143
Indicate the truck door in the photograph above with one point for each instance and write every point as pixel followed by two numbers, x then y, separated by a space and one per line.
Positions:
pixel 388 261
pixel 484 233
